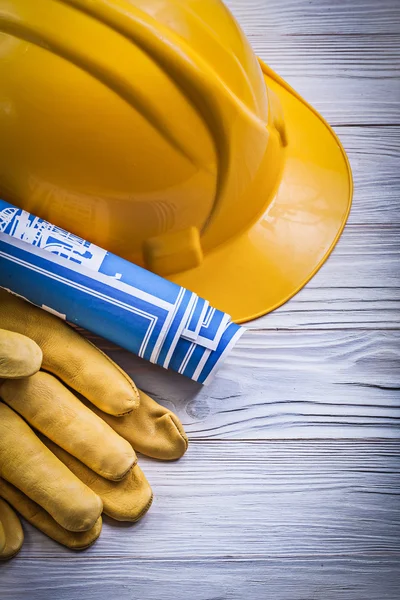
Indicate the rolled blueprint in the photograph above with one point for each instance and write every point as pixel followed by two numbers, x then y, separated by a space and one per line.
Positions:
pixel 152 317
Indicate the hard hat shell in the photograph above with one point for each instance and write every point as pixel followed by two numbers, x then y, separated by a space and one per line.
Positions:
pixel 150 127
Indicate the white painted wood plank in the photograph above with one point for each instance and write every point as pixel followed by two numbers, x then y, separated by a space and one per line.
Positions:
pixel 366 256
pixel 287 384
pixel 358 287
pixel 317 16
pixel 352 101
pixel 336 308
pixel 258 500
pixel 375 577
pixel 360 57
pixel 374 155
pixel 350 79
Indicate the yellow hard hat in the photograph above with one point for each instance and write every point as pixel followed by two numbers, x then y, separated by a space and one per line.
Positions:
pixel 150 128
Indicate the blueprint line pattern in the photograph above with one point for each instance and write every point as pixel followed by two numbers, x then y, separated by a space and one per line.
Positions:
pixel 76 280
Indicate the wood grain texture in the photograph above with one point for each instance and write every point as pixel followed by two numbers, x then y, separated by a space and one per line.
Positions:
pixel 374 155
pixel 367 256
pixel 260 500
pixel 310 578
pixel 287 384
pixel 347 101
pixel 316 17
pixel 343 57
pixel 331 56
pixel 336 308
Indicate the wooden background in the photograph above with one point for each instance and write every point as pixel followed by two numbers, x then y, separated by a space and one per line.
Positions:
pixel 291 487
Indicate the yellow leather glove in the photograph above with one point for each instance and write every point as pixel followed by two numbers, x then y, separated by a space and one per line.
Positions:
pixel 86 460
pixel 11 534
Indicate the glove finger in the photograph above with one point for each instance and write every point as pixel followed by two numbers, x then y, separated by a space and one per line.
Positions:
pixel 125 500
pixel 19 356
pixel 151 429
pixel 12 530
pixel 30 466
pixel 52 409
pixel 70 357
pixel 38 517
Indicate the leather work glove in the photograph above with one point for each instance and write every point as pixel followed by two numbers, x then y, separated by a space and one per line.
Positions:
pixel 67 456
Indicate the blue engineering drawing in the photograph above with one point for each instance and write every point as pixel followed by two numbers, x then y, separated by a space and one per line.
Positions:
pixel 86 285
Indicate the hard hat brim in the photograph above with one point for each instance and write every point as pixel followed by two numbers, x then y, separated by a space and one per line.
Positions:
pixel 265 266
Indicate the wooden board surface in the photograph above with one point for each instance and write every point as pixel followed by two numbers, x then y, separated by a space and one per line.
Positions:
pixel 282 519
pixel 307 578
pixel 288 384
pixel 291 487
pixel 317 17
pixel 261 499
